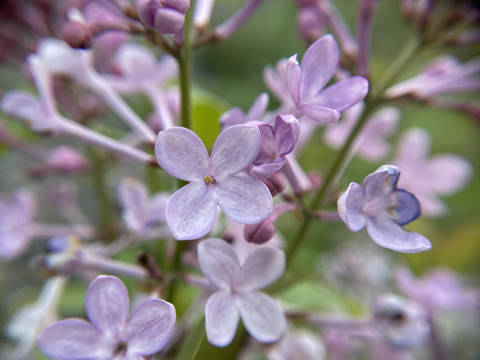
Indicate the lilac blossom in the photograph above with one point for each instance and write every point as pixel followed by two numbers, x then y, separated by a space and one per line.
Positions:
pixel 111 332
pixel 16 223
pixel 369 143
pixel 236 116
pixel 277 141
pixel 65 159
pixel 438 290
pixel 238 292
pixel 165 16
pixel 383 209
pixel 442 75
pixel 306 83
pixel 214 180
pixel 442 174
pixel 140 212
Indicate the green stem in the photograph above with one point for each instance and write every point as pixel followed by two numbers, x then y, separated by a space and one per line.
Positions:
pixel 372 101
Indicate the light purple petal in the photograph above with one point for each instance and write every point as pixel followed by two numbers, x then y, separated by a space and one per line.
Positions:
pixel 294 75
pixel 168 21
pixel 74 339
pixel 191 212
pixel 343 94
pixel 244 199
pixel 235 149
pixel 221 318
pixel 408 208
pixel 150 326
pixel 132 195
pixel 258 107
pixel 262 317
pixel 287 131
pixel 219 262
pixel 265 170
pixel 320 114
pixel 106 304
pixel 387 233
pixel 380 182
pixel 350 206
pixel 262 268
pixel 451 173
pixel 414 146
pixel 181 153
pixel 318 66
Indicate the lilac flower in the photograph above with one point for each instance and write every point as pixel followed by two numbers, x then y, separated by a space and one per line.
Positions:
pixel 111 332
pixel 439 289
pixel 237 295
pixel 236 116
pixel 16 223
pixel 370 143
pixel 214 180
pixel 383 209
pixel 277 141
pixel 65 159
pixel 140 212
pixel 165 16
pixel 442 174
pixel 306 83
pixel 442 75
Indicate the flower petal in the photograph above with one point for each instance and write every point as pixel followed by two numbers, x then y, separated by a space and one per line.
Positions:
pixel 408 208
pixel 219 262
pixel 74 339
pixel 387 233
pixel 320 114
pixel 451 173
pixel 380 182
pixel 318 66
pixel 262 268
pixel 221 318
pixel 350 206
pixel 181 153
pixel 150 326
pixel 235 149
pixel 263 318
pixel 293 77
pixel 244 199
pixel 191 212
pixel 343 94
pixel 106 304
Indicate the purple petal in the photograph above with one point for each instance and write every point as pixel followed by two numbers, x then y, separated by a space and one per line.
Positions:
pixel 262 317
pixel 451 173
pixel 318 66
pixel 106 304
pixel 294 75
pixel 262 268
pixel 181 153
pixel 287 131
pixel 258 107
pixel 221 318
pixel 350 206
pixel 150 326
pixel 244 199
pixel 408 208
pixel 263 171
pixel 74 339
pixel 191 211
pixel 168 21
pixel 414 146
pixel 387 233
pixel 132 195
pixel 343 94
pixel 219 262
pixel 381 182
pixel 235 149
pixel 320 114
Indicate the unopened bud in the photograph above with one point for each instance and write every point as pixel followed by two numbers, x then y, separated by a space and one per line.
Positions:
pixel 165 16
pixel 77 34
pixel 259 233
pixel 276 183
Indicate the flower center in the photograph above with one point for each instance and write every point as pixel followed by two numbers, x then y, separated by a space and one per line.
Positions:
pixel 209 180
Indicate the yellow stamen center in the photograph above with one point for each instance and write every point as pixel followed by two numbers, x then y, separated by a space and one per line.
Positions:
pixel 208 179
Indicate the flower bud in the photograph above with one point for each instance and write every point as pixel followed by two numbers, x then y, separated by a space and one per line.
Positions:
pixel 77 34
pixel 165 16
pixel 259 233
pixel 64 159
pixel 276 183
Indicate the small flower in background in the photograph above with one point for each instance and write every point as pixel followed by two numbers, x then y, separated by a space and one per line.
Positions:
pixel 306 82
pixel 140 212
pixel 238 292
pixel 111 332
pixel 370 144
pixel 64 159
pixel 214 180
pixel 17 214
pixel 165 16
pixel 383 209
pixel 441 174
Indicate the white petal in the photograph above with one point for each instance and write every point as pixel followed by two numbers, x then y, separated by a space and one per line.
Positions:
pixel 191 212
pixel 262 317
pixel 235 149
pixel 244 199
pixel 262 268
pixel 219 262
pixel 181 153
pixel 221 318
pixel 106 304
